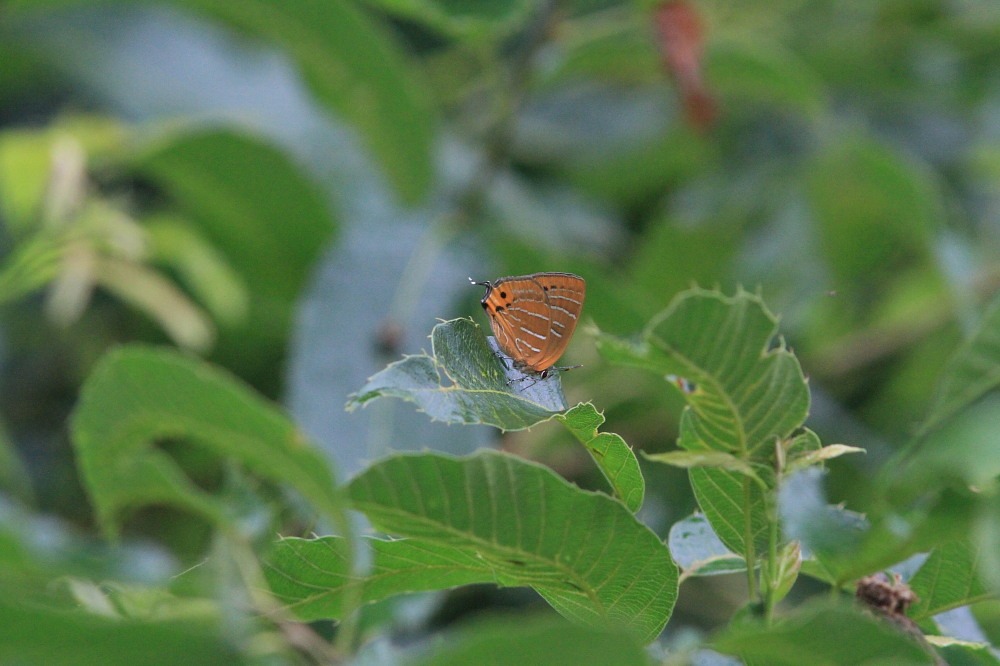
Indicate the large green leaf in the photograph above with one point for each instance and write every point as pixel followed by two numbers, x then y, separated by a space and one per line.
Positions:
pixel 352 66
pixel 613 456
pixel 463 380
pixel 743 391
pixel 973 371
pixel 584 552
pixel 823 636
pixel 743 395
pixel 138 396
pixel 949 578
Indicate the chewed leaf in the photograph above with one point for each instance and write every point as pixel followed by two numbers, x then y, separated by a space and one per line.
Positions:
pixel 613 456
pixel 748 393
pixel 583 552
pixel 462 380
pixel 698 550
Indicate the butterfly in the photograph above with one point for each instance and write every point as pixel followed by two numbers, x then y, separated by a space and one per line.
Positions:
pixel 533 316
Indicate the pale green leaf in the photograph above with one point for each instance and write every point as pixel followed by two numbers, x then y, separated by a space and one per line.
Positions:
pixel 583 552
pixel 148 291
pixel 817 456
pixel 716 459
pixel 787 571
pixel 137 396
pixel 463 380
pixel 964 653
pixel 613 456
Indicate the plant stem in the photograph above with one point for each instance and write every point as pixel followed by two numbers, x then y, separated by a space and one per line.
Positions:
pixel 771 579
pixel 751 556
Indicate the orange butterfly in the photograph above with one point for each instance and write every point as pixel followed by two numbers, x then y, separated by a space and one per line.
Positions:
pixel 534 316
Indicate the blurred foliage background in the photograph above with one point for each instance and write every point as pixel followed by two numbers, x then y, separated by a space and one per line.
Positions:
pixel 298 190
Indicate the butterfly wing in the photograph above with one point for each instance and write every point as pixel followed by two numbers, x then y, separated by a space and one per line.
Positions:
pixel 518 311
pixel 564 296
pixel 534 316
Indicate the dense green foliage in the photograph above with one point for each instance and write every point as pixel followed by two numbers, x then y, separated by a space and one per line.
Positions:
pixel 245 415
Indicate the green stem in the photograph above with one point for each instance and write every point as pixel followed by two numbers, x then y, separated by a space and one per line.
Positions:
pixel 751 555
pixel 772 568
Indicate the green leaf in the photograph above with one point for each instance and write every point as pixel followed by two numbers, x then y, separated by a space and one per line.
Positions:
pixel 875 210
pixel 352 66
pixel 763 72
pixel 534 640
pixel 963 450
pixel 849 545
pixel 33 634
pixel 789 565
pixel 818 636
pixel 311 578
pixel 29 159
pixel 972 372
pixel 699 551
pixel 613 456
pixel 33 263
pixel 463 381
pixel 727 498
pixel 584 552
pixel 137 396
pixel 743 393
pixel 949 578
pixel 355 69
pixel 175 243
pixel 460 17
pixel 251 201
